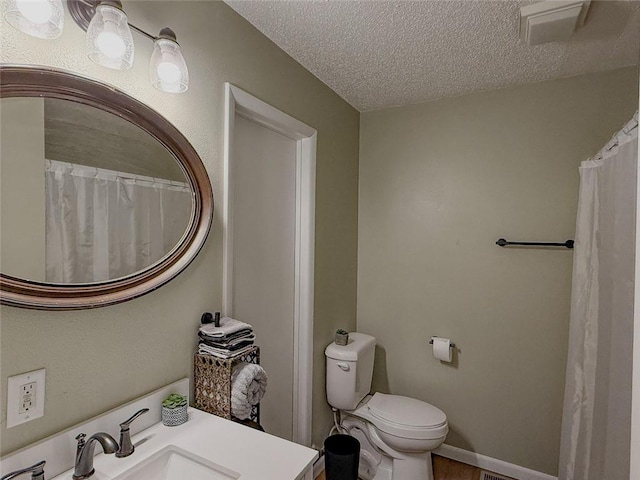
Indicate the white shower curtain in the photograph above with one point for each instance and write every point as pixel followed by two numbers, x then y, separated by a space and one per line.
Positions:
pixel 596 425
pixel 102 224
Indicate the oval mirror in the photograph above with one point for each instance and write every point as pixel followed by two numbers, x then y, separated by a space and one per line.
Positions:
pixel 101 198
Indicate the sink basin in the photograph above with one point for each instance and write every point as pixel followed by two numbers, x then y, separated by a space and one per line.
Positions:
pixel 173 463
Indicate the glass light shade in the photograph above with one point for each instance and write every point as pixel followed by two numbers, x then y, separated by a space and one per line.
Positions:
pixel 167 67
pixel 38 18
pixel 109 40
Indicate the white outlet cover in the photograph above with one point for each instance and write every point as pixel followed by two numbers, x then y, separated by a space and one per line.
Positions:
pixel 14 397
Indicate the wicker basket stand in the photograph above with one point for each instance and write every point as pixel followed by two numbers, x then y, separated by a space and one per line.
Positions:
pixel 213 383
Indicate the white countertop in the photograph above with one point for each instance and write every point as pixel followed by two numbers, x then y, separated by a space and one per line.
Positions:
pixel 253 454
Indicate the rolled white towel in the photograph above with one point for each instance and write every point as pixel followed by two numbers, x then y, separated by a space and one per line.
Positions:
pixel 248 386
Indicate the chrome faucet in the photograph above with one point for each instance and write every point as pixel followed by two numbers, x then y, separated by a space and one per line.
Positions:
pixel 85 451
pixel 126 447
pixel 37 472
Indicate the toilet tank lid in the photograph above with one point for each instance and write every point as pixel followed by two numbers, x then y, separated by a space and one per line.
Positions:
pixel 358 343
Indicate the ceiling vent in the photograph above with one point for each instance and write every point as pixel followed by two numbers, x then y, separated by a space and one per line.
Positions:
pixel 552 20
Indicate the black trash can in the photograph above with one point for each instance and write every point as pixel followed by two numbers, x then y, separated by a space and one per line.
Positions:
pixel 341 457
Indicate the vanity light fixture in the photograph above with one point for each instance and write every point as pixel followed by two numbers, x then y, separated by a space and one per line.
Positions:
pixel 109 40
pixel 38 18
pixel 167 68
pixel 110 43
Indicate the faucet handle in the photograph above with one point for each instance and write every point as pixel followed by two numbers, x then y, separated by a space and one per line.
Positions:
pixel 126 447
pixel 37 472
pixel 80 438
pixel 127 422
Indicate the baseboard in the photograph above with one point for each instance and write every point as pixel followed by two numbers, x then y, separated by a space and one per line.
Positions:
pixel 491 464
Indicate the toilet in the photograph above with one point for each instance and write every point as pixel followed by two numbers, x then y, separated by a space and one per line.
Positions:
pixel 396 433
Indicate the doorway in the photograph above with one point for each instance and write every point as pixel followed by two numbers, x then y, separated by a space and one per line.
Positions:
pixel 268 250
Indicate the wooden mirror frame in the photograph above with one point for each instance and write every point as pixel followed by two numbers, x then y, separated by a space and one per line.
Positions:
pixel 20 81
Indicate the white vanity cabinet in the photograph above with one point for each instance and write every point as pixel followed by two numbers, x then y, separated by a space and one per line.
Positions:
pixel 206 447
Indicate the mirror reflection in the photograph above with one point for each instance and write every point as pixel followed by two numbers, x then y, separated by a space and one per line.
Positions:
pixel 85 196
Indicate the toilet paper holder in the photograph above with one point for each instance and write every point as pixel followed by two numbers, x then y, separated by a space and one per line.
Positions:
pixel 451 345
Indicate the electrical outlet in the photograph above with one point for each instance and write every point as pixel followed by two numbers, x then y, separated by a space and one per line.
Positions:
pixel 25 397
pixel 28 393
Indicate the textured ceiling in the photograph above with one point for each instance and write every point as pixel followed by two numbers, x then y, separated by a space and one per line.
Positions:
pixel 379 54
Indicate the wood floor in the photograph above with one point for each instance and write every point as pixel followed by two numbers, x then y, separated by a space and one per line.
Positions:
pixel 445 469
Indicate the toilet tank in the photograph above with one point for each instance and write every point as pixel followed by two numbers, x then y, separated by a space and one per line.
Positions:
pixel 349 371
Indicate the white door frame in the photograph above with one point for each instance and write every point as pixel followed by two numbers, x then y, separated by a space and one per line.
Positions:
pixel 635 380
pixel 239 102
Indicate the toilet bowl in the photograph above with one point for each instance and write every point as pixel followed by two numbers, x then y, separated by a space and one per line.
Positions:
pixel 404 429
pixel 397 433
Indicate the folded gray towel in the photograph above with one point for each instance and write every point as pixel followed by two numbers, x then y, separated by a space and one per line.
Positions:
pixel 229 338
pixel 229 344
pixel 228 326
pixel 204 349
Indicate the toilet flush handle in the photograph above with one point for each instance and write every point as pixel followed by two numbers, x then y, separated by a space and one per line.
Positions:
pixel 343 366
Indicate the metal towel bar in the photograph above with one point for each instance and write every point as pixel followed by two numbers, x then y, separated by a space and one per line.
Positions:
pixel 568 244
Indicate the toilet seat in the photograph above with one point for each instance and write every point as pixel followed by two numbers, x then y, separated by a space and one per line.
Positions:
pixel 404 417
pixel 406 411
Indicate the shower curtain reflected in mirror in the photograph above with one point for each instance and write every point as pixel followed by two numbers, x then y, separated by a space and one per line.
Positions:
pixel 596 425
pixel 102 224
